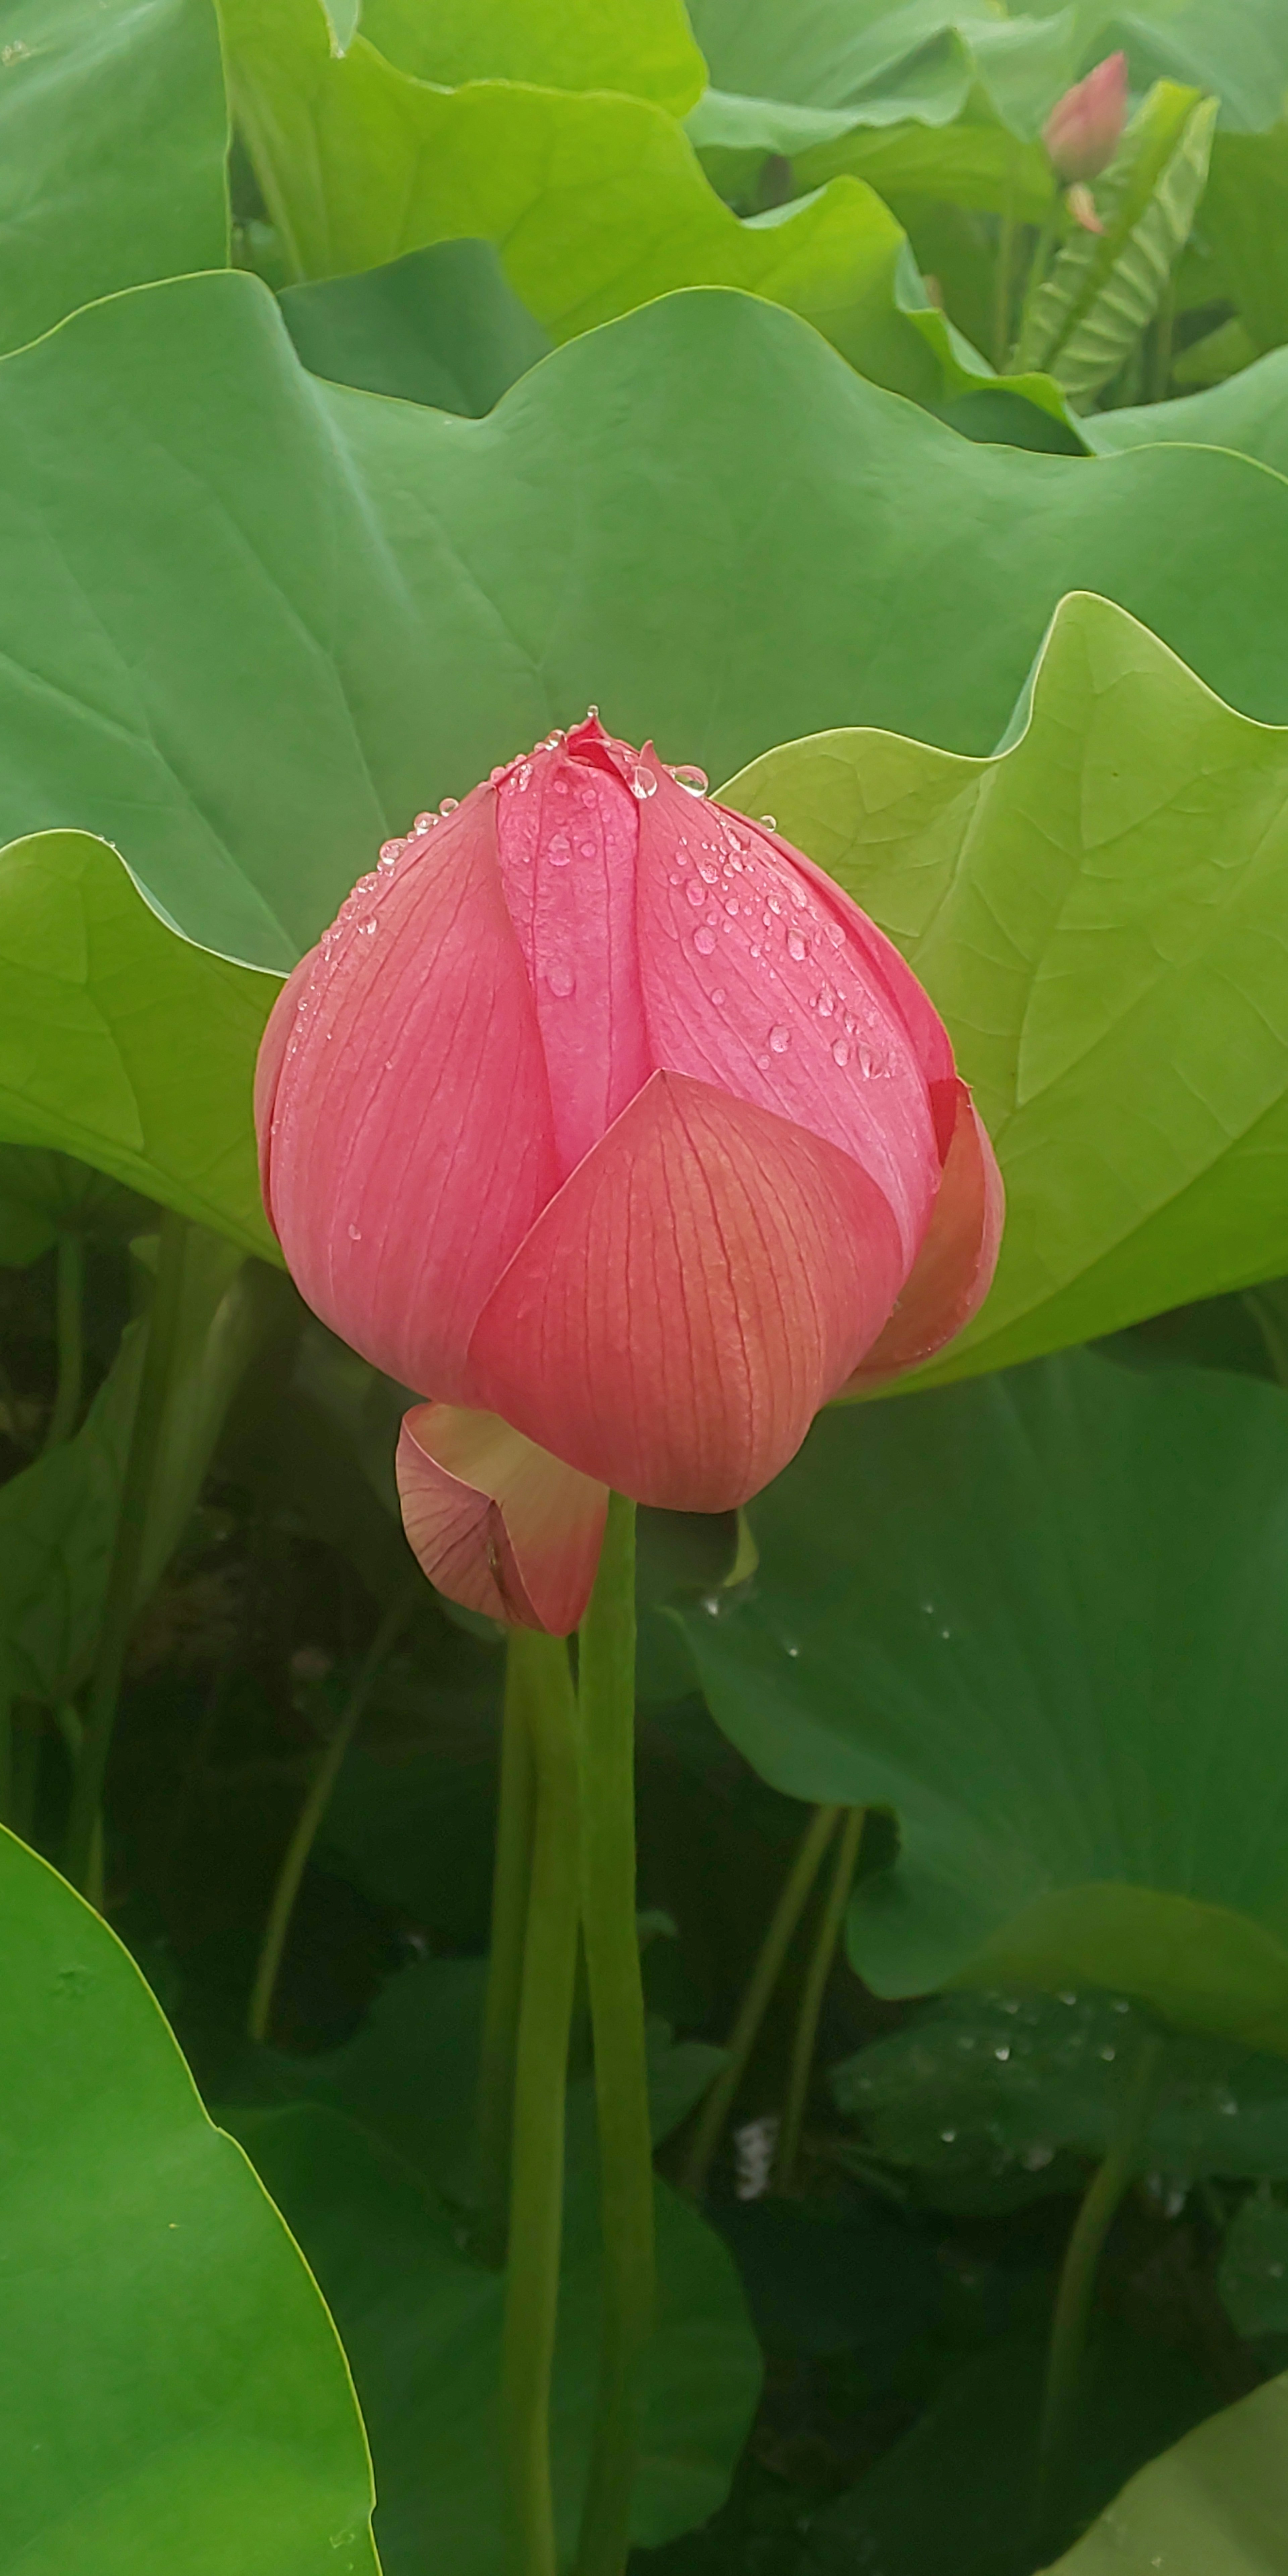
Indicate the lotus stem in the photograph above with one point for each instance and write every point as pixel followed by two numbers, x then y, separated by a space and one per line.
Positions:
pixel 161 1343
pixel 540 2087
pixel 1003 285
pixel 1078 2277
pixel 525 1657
pixel 811 2003
pixel 606 1736
pixel 760 1986
pixel 69 1312
pixel 259 2013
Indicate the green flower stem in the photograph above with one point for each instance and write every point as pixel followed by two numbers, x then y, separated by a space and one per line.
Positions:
pixel 541 2070
pixel 811 2002
pixel 1078 2278
pixel 525 1657
pixel 260 2010
pixel 69 1310
pixel 122 1601
pixel 1004 285
pixel 760 1986
pixel 606 1736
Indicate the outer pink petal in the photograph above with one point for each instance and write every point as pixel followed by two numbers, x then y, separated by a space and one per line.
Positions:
pixel 405 1117
pixel 700 1286
pixel 278 1029
pixel 567 832
pixel 954 1268
pixel 497 1523
pixel 757 981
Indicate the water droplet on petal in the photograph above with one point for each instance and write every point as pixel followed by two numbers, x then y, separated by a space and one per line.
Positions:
pixel 425 822
pixel 561 980
pixel 354 1234
pixel 732 905
pixel 704 941
pixel 841 1051
pixel 763 1062
pixel 796 947
pixel 643 783
pixel 558 850
pixel 686 775
pixel 587 849
pixel 449 804
pixel 390 850
pixel 832 930
pixel 780 1040
pixel 696 891
pixel 718 995
pixel 770 822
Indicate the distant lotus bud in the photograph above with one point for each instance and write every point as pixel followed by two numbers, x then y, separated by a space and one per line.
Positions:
pixel 609 1123
pixel 1084 128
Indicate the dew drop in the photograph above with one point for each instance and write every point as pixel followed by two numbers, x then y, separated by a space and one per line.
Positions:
pixel 587 795
pixel 696 891
pixel 449 805
pixel 494 774
pixel 841 1051
pixel 425 822
pixel 704 940
pixel 587 849
pixel 354 1234
pixel 825 1004
pixel 770 822
pixel 558 850
pixel 832 930
pixel 390 850
pixel 560 785
pixel 1002 2053
pixel 718 995
pixel 796 947
pixel 561 980
pixel 763 1062
pixel 692 779
pixel 731 906
pixel 948 2136
pixel 753 952
pixel 780 1039
pixel 643 783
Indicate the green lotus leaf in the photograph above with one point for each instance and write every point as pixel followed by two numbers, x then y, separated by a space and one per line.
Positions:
pixel 1239 54
pixel 1245 225
pixel 595 200
pixel 1099 912
pixel 698 518
pixel 1248 413
pixel 1044 1619
pixel 113 141
pixel 1214 2506
pixel 440 326
pixel 643 48
pixel 99 1057
pixel 176 2395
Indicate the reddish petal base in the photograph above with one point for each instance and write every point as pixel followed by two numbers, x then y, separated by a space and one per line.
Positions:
pixel 498 1524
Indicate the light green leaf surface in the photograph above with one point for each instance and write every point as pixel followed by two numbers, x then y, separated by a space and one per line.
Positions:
pixel 1044 1619
pixel 643 48
pixel 595 200
pixel 1245 221
pixel 1248 413
pixel 122 1044
pixel 440 326
pixel 421 2323
pixel 174 2395
pixel 1217 2505
pixel 1101 913
pixel 1106 286
pixel 698 518
pixel 113 139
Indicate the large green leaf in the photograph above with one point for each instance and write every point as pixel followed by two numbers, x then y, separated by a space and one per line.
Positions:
pixel 174 2393
pixel 1239 53
pixel 113 139
pixel 440 326
pixel 1249 413
pixel 100 1056
pixel 595 200
pixel 698 518
pixel 1253 2277
pixel 1045 1619
pixel 644 48
pixel 421 2322
pixel 1215 2506
pixel 1099 912
pixel 1245 220
pixel 1106 286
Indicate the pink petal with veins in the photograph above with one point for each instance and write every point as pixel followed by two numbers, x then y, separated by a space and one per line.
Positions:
pixel 496 1523
pixel 954 1268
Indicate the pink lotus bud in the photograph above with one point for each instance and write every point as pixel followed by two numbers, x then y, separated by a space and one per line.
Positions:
pixel 606 1120
pixel 1084 128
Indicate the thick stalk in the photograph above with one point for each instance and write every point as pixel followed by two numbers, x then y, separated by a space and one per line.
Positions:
pixel 525 1657
pixel 1078 2278
pixel 121 1603
pixel 812 1992
pixel 606 1738
pixel 760 1986
pixel 541 2068
pixel 69 1314
pixel 295 1857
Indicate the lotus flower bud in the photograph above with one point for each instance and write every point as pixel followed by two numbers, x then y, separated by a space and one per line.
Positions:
pixel 605 1120
pixel 1084 128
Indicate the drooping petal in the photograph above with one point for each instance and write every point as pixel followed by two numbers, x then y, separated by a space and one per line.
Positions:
pixel 498 1524
pixel 409 1140
pixel 953 1270
pixel 706 1278
pixel 756 983
pixel 567 829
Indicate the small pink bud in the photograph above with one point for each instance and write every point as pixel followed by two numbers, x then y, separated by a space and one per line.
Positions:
pixel 609 1123
pixel 1084 128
